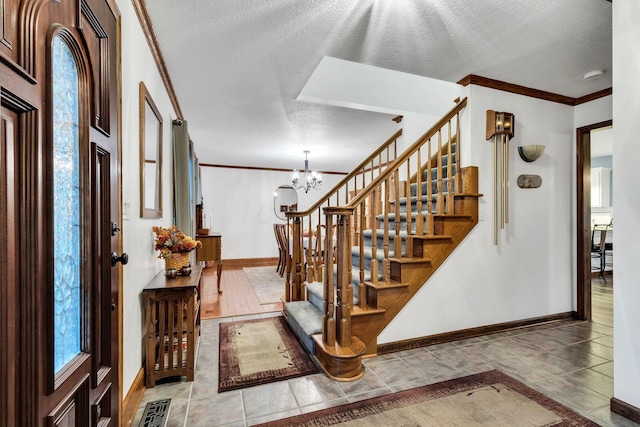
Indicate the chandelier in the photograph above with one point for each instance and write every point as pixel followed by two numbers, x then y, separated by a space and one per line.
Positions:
pixel 309 180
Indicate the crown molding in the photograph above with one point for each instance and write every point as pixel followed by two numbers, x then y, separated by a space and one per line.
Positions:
pixel 260 168
pixel 595 95
pixel 527 91
pixel 150 34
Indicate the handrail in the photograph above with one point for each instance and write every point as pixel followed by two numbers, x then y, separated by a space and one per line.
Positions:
pixel 306 259
pixel 407 153
pixel 357 170
pixel 385 190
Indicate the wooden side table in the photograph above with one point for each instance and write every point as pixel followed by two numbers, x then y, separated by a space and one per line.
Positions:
pixel 211 250
pixel 173 326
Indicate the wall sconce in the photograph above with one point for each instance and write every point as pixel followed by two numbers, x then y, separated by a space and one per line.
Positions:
pixel 500 127
pixel 530 153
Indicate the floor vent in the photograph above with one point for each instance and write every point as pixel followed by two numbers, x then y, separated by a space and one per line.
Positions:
pixel 156 414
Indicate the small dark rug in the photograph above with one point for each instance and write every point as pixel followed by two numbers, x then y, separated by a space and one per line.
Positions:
pixel 260 351
pixel 487 399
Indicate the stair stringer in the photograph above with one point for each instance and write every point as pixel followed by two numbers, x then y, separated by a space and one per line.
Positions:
pixel 429 253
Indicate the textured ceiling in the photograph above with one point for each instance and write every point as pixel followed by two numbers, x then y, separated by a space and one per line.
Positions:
pixel 237 66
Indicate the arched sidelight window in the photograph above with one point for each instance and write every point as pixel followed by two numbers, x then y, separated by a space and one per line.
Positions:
pixel 66 205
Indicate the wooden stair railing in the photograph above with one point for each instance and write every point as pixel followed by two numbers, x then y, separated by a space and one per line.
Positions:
pixel 306 260
pixel 401 183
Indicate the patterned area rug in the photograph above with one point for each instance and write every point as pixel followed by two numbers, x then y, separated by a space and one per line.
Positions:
pixel 487 399
pixel 266 283
pixel 259 351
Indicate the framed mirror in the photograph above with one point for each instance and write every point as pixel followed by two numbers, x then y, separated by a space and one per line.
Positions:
pixel 285 199
pixel 150 156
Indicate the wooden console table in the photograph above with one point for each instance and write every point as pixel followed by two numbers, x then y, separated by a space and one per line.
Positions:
pixel 211 250
pixel 173 325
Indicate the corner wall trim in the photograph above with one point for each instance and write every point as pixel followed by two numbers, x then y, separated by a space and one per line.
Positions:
pixel 625 410
pixel 469 333
pixel 133 398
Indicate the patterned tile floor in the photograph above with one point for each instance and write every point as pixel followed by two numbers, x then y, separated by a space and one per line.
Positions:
pixel 569 361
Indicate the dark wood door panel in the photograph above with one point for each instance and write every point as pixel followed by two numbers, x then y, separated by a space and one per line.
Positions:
pixel 73 410
pixel 9 289
pixel 86 391
pixel 95 25
pixel 8 27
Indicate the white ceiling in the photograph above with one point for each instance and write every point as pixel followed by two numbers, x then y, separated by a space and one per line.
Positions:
pixel 237 66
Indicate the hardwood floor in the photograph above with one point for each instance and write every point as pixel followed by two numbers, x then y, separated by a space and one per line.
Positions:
pixel 602 300
pixel 237 297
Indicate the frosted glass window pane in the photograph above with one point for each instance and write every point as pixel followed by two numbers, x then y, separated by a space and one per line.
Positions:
pixel 66 205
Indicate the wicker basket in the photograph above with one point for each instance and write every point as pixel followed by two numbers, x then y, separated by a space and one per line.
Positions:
pixel 177 260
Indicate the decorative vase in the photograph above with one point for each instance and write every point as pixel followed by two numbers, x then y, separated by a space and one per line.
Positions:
pixel 177 260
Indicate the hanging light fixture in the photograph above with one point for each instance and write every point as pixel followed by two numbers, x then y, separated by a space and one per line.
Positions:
pixel 309 180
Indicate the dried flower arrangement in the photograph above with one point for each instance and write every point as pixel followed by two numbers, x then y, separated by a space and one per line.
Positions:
pixel 171 240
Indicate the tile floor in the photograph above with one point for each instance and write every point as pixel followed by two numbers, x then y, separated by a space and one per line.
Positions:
pixel 570 361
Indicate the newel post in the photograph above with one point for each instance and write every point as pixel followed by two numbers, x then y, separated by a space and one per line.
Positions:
pixel 298 275
pixel 328 321
pixel 344 294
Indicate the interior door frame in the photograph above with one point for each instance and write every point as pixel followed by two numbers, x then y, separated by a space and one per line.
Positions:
pixel 583 216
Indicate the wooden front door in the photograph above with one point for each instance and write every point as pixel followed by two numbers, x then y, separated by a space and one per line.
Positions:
pixel 59 209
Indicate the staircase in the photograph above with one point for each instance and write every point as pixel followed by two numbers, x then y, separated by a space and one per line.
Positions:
pixel 364 250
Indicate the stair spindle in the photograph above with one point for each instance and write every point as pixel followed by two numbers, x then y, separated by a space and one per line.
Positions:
pixel 449 171
pixel 373 268
pixel 419 217
pixel 457 181
pixel 386 265
pixel 439 196
pixel 407 191
pixel 396 237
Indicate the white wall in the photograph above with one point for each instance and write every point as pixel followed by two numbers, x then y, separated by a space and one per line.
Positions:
pixel 240 202
pixel 626 199
pixel 530 273
pixel 138 239
pixel 593 112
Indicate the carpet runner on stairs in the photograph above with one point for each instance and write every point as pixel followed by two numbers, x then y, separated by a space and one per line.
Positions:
pixel 305 317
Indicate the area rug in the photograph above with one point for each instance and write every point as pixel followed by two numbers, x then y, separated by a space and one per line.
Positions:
pixel 259 351
pixel 266 283
pixel 487 399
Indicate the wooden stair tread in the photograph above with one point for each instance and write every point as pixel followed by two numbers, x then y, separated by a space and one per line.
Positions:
pixel 432 237
pixel 469 195
pixel 386 285
pixel 425 197
pixel 359 311
pixel 410 260
pixel 455 215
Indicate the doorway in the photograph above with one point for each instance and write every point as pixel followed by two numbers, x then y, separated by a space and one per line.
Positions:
pixel 584 222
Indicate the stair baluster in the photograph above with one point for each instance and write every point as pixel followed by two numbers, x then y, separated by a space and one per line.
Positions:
pixel 377 204
pixel 419 217
pixel 449 203
pixel 440 194
pixel 430 222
